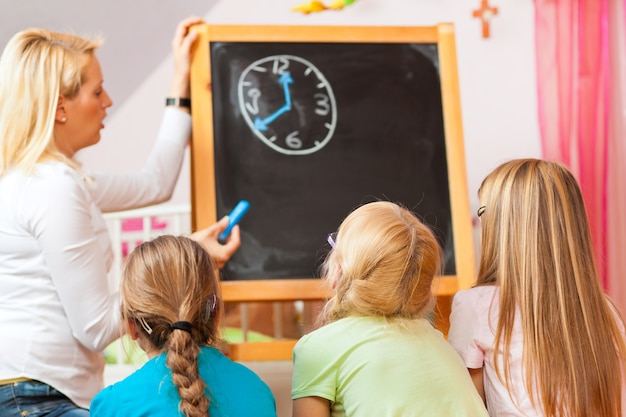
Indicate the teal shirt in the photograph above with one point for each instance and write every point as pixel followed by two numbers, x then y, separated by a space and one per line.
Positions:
pixel 233 390
pixel 366 366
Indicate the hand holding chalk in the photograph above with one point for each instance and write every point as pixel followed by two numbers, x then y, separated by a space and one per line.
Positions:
pixel 233 219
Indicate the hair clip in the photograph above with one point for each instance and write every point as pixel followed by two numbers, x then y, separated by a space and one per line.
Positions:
pixel 210 307
pixel 145 325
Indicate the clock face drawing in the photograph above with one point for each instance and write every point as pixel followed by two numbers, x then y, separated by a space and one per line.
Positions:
pixel 288 104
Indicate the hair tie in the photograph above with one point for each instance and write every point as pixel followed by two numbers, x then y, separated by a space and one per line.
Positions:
pixel 181 325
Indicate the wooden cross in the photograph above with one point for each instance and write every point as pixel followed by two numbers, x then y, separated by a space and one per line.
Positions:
pixel 485 13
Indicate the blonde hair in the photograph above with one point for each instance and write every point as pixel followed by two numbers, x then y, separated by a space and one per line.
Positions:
pixel 36 66
pixel 167 280
pixel 383 264
pixel 536 246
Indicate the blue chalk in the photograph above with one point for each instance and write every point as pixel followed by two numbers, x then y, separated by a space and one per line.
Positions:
pixel 233 218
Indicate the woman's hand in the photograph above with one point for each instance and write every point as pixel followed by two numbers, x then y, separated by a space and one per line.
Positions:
pixel 208 238
pixel 181 48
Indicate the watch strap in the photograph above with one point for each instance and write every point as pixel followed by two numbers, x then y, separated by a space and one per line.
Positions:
pixel 178 101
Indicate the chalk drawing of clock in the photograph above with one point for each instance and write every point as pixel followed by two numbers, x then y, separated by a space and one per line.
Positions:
pixel 288 104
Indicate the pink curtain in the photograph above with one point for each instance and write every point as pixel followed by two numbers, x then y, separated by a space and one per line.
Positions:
pixel 616 163
pixel 580 60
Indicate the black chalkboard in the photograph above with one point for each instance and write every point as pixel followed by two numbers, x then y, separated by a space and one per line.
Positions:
pixel 308 131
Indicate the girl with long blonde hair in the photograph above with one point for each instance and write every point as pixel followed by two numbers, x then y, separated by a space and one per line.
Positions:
pixel 537 332
pixel 378 354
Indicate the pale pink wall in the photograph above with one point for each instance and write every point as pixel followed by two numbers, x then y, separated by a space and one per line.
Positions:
pixel 497 76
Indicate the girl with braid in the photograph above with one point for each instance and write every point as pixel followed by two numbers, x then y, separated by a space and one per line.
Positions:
pixel 171 306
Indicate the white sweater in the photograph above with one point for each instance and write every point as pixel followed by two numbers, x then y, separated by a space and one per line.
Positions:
pixel 58 310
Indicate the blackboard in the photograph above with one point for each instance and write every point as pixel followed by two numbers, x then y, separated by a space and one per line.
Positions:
pixel 308 123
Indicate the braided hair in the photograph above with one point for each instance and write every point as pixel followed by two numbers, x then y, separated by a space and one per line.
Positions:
pixel 170 290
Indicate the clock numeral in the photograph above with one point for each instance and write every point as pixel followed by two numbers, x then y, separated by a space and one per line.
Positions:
pixel 280 65
pixel 293 141
pixel 253 107
pixel 322 101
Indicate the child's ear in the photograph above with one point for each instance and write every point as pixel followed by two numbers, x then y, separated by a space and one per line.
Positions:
pixel 336 278
pixel 131 329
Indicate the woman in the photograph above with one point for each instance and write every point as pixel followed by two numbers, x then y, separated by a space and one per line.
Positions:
pixel 537 332
pixel 57 309
pixel 171 305
pixel 378 355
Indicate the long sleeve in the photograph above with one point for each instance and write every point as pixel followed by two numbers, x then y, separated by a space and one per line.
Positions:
pixel 58 308
pixel 69 229
pixel 155 182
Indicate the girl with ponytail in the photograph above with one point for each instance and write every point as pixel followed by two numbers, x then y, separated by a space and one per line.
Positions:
pixel 171 306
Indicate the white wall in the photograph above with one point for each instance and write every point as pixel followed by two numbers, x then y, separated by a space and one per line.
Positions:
pixel 497 75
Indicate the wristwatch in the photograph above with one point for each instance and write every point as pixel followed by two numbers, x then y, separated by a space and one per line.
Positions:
pixel 178 102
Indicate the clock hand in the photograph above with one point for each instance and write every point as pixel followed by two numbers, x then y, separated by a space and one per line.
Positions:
pixel 285 79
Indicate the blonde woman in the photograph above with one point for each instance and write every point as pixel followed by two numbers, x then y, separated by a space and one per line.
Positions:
pixel 171 305
pixel 537 332
pixel 57 309
pixel 377 354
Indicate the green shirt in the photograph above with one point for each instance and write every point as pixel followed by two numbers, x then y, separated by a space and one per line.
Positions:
pixel 366 366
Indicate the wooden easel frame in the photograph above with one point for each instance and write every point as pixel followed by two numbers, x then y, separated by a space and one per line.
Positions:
pixel 203 175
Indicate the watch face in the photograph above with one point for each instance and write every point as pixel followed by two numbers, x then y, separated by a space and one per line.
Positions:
pixel 288 103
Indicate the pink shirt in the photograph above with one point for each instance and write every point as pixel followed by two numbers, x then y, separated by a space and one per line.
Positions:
pixel 472 333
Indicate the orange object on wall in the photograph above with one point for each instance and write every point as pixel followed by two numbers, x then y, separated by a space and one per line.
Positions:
pixel 485 13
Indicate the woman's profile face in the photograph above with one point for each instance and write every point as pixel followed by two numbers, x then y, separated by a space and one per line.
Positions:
pixel 84 113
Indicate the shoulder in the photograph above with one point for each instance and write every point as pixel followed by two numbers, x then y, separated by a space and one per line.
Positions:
pixel 332 341
pixel 477 306
pixel 45 176
pixel 334 332
pixel 478 292
pixel 475 298
pixel 55 179
pixel 50 192
pixel 212 360
pixel 104 403
pixel 142 377
pixel 230 381
pixel 109 402
pixel 313 346
pixel 132 393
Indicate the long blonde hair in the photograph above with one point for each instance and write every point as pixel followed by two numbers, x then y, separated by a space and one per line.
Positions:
pixel 383 264
pixel 167 280
pixel 536 246
pixel 35 67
